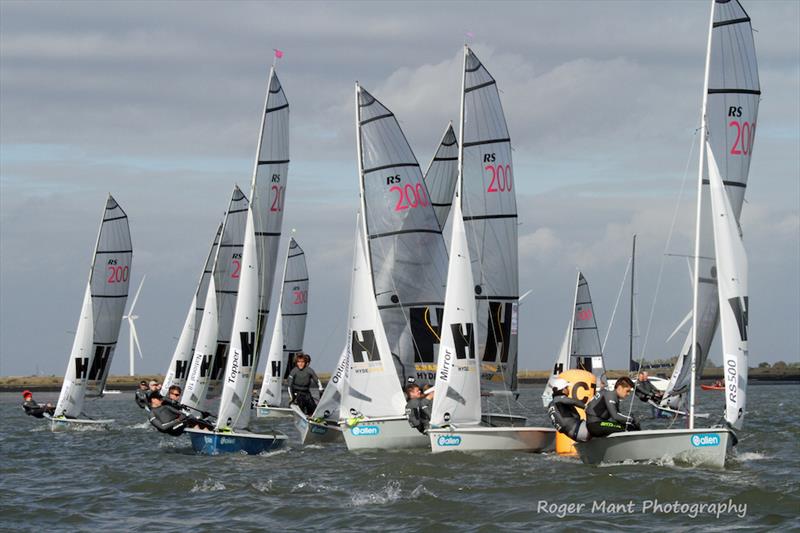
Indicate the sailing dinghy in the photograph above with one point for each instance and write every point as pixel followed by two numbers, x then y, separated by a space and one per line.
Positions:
pixel 731 85
pixel 99 322
pixel 322 426
pixel 259 256
pixel 482 296
pixel 287 333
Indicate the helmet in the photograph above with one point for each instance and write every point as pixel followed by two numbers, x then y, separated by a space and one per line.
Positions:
pixel 559 383
pixel 26 393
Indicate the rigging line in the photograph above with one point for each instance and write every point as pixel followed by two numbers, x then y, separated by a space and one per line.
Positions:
pixel 614 311
pixel 430 326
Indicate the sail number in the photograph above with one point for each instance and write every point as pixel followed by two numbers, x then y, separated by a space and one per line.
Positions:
pixel 237 268
pixel 745 133
pixel 584 314
pixel 300 297
pixel 277 200
pixel 501 178
pixel 117 274
pixel 410 196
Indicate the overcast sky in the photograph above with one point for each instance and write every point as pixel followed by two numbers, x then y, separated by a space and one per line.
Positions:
pixel 159 103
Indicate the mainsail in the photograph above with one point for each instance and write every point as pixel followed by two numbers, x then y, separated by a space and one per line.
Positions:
pixel 405 248
pixel 178 369
pixel 262 237
pixel 328 406
pixel 101 313
pixel 490 215
pixel 731 109
pixel 733 297
pixel 372 388
pixel 290 325
pixel 442 174
pixel 213 336
pixel 458 382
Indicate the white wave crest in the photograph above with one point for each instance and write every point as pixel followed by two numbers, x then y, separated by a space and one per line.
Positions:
pixel 391 493
pixel 262 486
pixel 208 485
pixel 751 456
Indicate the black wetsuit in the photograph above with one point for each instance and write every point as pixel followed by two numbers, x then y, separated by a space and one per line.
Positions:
pixel 34 409
pixel 167 419
pixel 646 392
pixel 418 412
pixel 603 417
pixel 563 412
pixel 300 388
pixel 142 398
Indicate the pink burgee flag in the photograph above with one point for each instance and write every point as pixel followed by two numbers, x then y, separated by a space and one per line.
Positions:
pixel 278 53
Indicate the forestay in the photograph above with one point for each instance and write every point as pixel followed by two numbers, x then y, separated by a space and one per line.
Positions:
pixel 290 325
pixel 372 388
pixel 442 174
pixel 262 236
pixel 213 337
pixel 406 251
pixel 490 216
pixel 732 99
pixel 458 385
pixel 101 313
pixel 733 297
pixel 178 369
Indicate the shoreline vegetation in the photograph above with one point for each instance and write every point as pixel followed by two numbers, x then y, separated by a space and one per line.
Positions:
pixel 53 383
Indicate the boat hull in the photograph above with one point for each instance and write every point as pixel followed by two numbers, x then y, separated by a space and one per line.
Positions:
pixel 273 412
pixel 699 447
pixel 711 387
pixel 214 443
pixel 312 432
pixel 67 424
pixel 481 438
pixel 383 434
pixel 503 420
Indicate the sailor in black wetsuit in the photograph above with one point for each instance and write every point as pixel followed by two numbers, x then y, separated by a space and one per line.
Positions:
pixel 300 380
pixel 141 395
pixel 167 418
pixel 563 412
pixel 602 412
pixel 34 409
pixel 419 407
pixel 645 390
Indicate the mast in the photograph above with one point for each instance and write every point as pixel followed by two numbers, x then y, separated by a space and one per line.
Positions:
pixel 696 284
pixel 633 279
pixel 361 185
pixel 459 180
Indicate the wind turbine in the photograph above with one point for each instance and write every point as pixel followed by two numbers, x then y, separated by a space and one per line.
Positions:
pixel 133 338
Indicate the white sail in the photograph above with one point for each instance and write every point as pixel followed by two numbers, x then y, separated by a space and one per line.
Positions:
pixel 262 237
pixel 178 369
pixel 441 176
pixel 585 350
pixel 562 364
pixel 373 388
pixel 328 406
pixel 489 205
pixel 213 337
pixel 458 384
pixel 731 111
pixel 101 312
pixel 405 248
pixel 733 297
pixel 290 325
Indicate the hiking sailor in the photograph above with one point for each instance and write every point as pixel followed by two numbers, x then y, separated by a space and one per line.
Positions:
pixel 602 412
pixel 34 409
pixel 563 412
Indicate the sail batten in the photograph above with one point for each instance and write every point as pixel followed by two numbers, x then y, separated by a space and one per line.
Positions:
pixel 441 176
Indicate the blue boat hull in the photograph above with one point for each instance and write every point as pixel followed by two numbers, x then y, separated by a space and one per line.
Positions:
pixel 212 443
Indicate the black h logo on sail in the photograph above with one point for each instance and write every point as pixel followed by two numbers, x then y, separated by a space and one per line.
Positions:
pixel 498 331
pixel 425 333
pixel 99 362
pixel 181 369
pixel 363 342
pixel 464 340
pixel 248 339
pixel 558 368
pixel 276 369
pixel 205 365
pixel 220 360
pixel 740 312
pixel 81 367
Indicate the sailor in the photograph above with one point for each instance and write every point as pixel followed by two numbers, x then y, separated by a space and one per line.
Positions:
pixel 563 412
pixel 300 380
pixel 141 394
pixel 167 419
pixel 645 390
pixel 419 406
pixel 602 412
pixel 34 409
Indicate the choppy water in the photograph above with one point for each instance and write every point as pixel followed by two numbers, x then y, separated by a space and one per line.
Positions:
pixel 132 477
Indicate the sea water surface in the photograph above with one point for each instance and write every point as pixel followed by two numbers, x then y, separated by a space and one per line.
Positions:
pixel 131 477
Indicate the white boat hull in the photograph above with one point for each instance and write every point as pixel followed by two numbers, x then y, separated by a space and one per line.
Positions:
pixel 479 438
pixel 67 424
pixel 312 432
pixel 699 446
pixel 273 412
pixel 382 433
